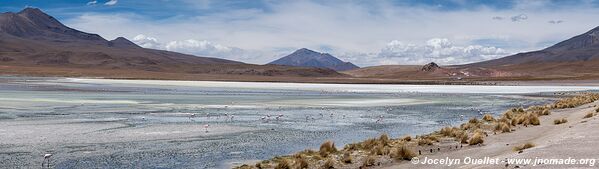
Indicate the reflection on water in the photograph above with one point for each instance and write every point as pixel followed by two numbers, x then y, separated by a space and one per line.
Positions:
pixel 153 124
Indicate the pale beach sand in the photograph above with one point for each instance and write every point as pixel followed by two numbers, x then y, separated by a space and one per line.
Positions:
pixel 575 140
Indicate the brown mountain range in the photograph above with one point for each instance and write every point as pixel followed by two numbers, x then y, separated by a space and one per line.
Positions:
pixel 575 58
pixel 34 43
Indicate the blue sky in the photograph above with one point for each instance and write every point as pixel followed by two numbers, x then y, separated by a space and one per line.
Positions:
pixel 369 32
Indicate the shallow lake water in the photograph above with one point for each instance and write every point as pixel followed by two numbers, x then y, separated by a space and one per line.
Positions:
pixel 98 123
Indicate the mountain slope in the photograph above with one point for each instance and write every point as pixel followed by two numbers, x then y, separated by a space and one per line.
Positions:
pixel 581 48
pixel 574 58
pixel 31 38
pixel 309 58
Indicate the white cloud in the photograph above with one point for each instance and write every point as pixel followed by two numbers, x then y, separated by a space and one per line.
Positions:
pixel 111 2
pixel 438 50
pixel 519 18
pixel 147 42
pixel 92 2
pixel 199 48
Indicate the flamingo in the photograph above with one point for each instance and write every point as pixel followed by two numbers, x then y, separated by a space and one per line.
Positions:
pixel 46 157
pixel 206 127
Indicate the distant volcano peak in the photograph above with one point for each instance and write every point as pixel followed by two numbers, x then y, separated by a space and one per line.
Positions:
pixel 308 58
pixel 33 22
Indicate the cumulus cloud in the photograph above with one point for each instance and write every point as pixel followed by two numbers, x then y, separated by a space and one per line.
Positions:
pixel 147 42
pixel 198 48
pixel 91 3
pixel 439 50
pixel 111 2
pixel 519 18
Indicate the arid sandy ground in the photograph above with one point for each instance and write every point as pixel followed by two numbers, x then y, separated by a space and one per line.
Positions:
pixel 577 139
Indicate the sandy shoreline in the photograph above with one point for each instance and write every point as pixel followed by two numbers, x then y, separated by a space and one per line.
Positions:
pixel 575 139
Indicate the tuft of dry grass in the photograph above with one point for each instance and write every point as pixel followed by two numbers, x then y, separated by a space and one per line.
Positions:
pixel 378 150
pixel 283 164
pixel 477 138
pixel 347 159
pixel 464 138
pixel 328 164
pixel 384 139
pixel 589 115
pixel 545 112
pixel 403 153
pixel 473 120
pixel 525 146
pixel 369 144
pixel 508 114
pixel 407 138
pixel 424 141
pixel 560 121
pixel 488 118
pixel 504 127
pixel 301 163
pixel 534 119
pixel 327 148
pixel 368 161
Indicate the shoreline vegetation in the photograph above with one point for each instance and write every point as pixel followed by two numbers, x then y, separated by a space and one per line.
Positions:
pixel 384 150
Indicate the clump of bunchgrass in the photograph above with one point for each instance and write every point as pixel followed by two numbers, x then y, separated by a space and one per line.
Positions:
pixel 283 164
pixel 328 164
pixel 476 139
pixel 560 121
pixel 534 119
pixel 407 138
pixel 384 139
pixel 403 153
pixel 368 161
pixel 327 148
pixel 504 127
pixel 589 115
pixel 347 159
pixel 525 146
pixel 488 118
pixel 301 163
